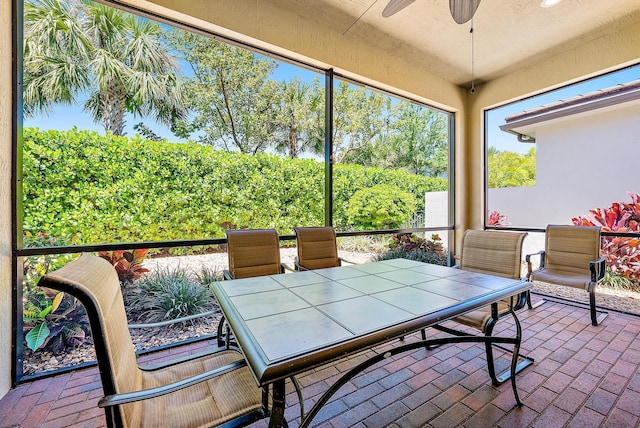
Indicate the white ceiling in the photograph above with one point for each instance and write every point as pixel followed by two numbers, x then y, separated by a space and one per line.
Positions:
pixel 508 34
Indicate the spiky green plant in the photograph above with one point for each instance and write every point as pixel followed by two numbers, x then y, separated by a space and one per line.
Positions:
pixel 168 294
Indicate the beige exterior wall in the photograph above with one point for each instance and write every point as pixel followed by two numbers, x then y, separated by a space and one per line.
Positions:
pixel 5 198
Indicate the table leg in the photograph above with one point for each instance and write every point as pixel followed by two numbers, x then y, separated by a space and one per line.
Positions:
pixel 514 358
pixel 276 420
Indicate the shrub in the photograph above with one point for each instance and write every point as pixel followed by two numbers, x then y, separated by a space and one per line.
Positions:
pixel 92 189
pixel 622 253
pixel 410 246
pixel 380 207
pixel 166 295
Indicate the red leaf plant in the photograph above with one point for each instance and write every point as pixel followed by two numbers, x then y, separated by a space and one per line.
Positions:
pixel 128 264
pixel 497 219
pixel 622 253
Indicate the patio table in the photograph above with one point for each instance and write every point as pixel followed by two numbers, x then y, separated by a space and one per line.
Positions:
pixel 290 323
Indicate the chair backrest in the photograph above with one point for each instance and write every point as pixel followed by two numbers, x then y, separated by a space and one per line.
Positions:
pixel 253 252
pixel 317 247
pixel 94 282
pixel 492 252
pixel 571 248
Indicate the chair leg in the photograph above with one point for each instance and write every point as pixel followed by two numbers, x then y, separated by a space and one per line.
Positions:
pixel 529 305
pixel 595 319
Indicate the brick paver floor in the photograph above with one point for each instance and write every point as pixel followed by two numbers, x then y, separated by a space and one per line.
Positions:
pixel 583 376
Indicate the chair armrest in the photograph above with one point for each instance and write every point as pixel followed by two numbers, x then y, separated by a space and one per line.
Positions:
pixel 130 397
pixel 227 275
pixel 300 267
pixel 286 267
pixel 347 261
pixel 598 269
pixel 528 257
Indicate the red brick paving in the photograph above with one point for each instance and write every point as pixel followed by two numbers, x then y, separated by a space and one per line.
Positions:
pixel 584 376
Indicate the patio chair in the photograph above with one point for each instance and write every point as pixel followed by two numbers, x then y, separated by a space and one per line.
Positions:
pixel 317 248
pixel 571 258
pixel 206 389
pixel 497 253
pixel 253 252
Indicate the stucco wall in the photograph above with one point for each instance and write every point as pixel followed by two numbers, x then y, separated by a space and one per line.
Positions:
pixel 582 162
pixel 5 198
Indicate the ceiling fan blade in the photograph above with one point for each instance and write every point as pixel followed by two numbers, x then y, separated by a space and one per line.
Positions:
pixel 395 6
pixel 463 10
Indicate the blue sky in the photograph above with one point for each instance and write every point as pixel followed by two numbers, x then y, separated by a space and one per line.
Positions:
pixel 66 117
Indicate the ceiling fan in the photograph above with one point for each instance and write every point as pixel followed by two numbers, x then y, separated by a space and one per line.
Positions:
pixel 461 10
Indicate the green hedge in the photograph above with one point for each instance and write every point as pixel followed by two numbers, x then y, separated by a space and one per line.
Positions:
pixel 86 188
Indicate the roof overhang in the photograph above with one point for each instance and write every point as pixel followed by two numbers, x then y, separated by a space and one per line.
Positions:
pixel 524 124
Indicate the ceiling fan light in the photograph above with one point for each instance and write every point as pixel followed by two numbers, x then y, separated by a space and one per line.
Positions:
pixel 395 6
pixel 549 3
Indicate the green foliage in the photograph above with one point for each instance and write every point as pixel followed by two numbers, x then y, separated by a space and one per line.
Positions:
pixel 510 169
pixel 37 335
pixel 410 246
pixel 168 294
pixel 299 118
pixel 347 179
pixel 53 319
pixel 381 206
pixel 617 281
pixel 413 138
pixel 230 94
pixel 118 61
pixel 360 116
pixel 362 243
pixel 47 314
pixel 87 189
pixel 208 275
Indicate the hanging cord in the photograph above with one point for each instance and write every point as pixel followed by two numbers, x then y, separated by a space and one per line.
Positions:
pixel 358 19
pixel 473 82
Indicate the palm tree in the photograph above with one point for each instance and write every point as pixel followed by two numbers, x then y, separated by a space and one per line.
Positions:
pixel 299 118
pixel 119 62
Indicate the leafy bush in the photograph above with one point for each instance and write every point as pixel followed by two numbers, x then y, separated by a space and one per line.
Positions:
pixel 380 207
pixel 511 169
pixel 410 246
pixel 166 295
pixel 622 253
pixel 86 188
pixel 347 179
pixel 50 318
